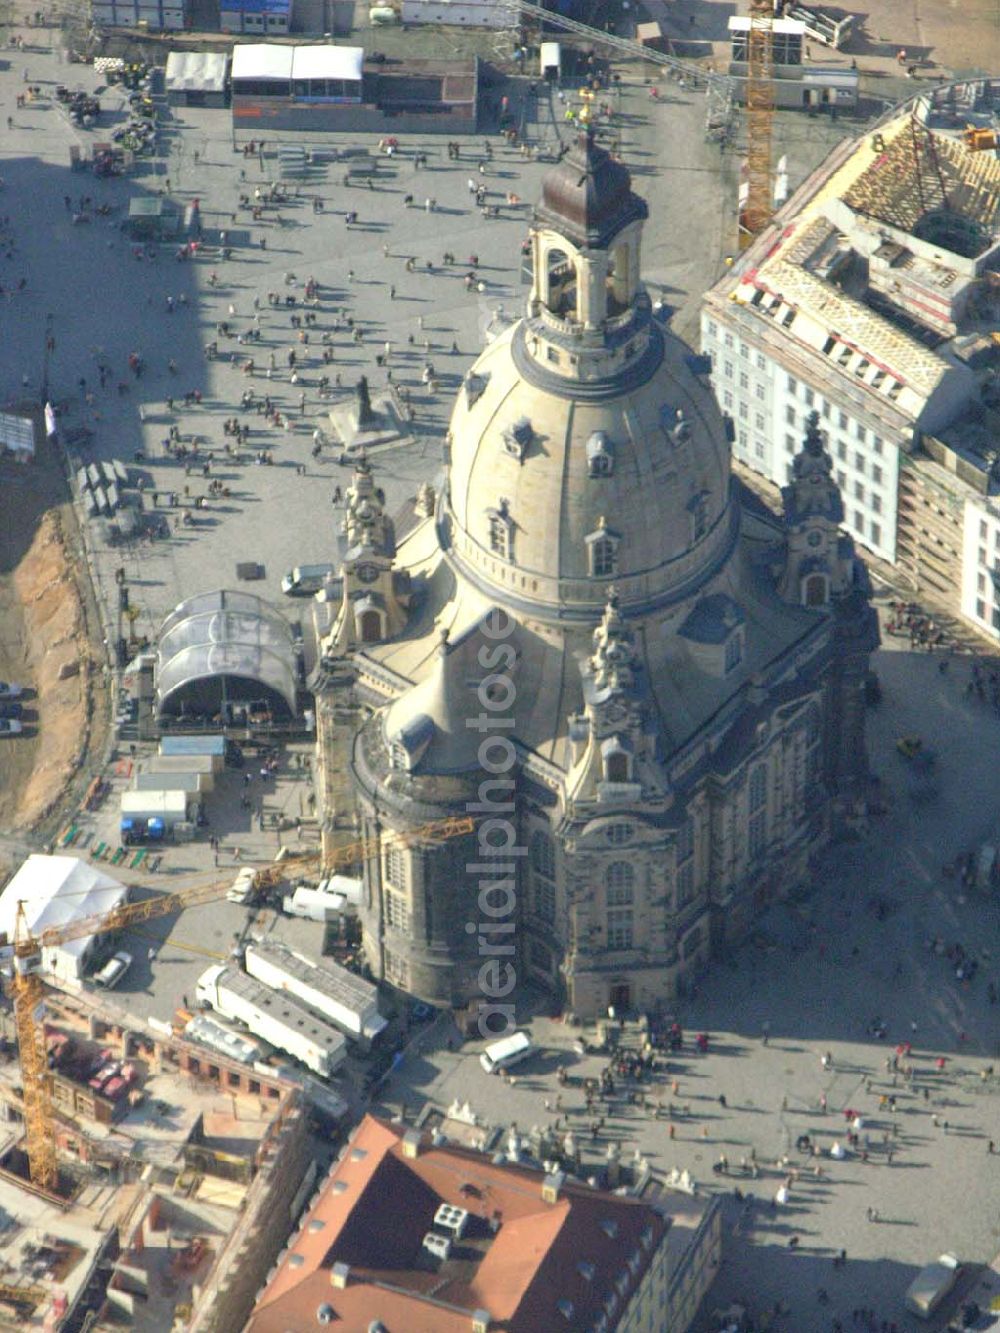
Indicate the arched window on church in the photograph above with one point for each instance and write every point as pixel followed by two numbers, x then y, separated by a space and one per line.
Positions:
pixel 620 881
pixel 814 592
pixel 498 536
pixel 757 827
pixel 620 896
pixel 616 767
pixel 814 737
pixel 560 284
pixel 370 623
pixel 603 557
pixel 758 787
pixel 501 531
pixel 543 875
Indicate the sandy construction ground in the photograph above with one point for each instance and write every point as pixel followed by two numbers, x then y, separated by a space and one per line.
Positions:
pixel 45 623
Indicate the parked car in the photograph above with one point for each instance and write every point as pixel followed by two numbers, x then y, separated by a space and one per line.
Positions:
pixel 117 1087
pixel 104 1074
pixel 11 710
pixel 9 690
pixel 113 970
pixel 8 727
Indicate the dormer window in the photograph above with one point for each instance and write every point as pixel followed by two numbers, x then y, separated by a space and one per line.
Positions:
pixel 600 455
pixel 698 509
pixel 734 651
pixel 475 387
pixel 501 531
pixel 617 763
pixel 815 590
pixel 518 437
pixel 602 551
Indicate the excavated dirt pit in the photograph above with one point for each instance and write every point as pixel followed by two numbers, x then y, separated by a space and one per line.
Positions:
pixel 46 619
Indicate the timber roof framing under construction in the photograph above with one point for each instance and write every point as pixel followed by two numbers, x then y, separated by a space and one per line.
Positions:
pixel 883 257
pixel 920 173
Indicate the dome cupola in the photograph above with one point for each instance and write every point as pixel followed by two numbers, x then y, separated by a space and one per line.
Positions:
pixel 588 198
pixel 585 452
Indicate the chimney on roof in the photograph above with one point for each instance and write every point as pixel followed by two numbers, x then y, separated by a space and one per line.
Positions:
pixel 551 1186
pixel 481 1320
pixel 412 1143
pixel 340 1275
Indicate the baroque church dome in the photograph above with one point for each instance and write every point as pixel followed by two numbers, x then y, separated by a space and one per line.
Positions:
pixel 645 685
pixel 584 450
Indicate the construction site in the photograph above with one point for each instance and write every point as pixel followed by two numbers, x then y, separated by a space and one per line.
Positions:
pixel 177 1170
pixel 150 1168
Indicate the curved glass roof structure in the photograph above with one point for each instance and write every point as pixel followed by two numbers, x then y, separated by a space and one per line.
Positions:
pixel 221 648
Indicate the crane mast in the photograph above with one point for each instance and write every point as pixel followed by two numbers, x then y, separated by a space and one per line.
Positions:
pixel 760 117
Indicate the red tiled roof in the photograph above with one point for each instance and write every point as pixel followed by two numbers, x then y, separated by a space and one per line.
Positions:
pixel 519 1258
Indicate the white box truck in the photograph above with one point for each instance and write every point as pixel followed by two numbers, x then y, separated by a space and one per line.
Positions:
pixel 186 782
pixel 312 904
pixel 273 1016
pixel 170 807
pixel 202 764
pixel 306 580
pixel 931 1285
pixel 196 745
pixel 347 1000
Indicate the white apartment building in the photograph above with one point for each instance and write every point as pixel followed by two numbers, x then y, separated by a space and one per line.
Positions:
pixel 981 565
pixel 870 299
pixel 769 404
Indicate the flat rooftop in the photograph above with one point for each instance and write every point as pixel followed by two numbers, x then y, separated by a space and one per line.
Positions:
pixel 323 975
pixel 283 1007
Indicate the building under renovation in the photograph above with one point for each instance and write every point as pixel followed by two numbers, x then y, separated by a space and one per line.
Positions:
pixel 874 299
pixel 180 1169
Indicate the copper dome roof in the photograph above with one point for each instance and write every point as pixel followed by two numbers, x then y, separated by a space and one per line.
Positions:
pixel 588 197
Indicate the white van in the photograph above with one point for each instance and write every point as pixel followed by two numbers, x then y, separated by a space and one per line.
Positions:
pixel 113 970
pixel 506 1052
pixel 931 1285
pixel 243 886
pixel 305 580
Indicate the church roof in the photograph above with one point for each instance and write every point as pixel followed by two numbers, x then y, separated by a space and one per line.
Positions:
pixel 554 501
pixel 545 472
pixel 712 619
pixel 588 196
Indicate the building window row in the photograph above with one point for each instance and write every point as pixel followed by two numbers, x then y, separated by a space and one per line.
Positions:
pixel 395 867
pixel 397 970
pixel 397 911
pixel 619 928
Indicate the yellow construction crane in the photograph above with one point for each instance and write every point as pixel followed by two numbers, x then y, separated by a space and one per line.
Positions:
pixel 29 990
pixel 760 119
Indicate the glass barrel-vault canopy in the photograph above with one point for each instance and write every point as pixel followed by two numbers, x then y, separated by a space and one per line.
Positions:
pixel 222 651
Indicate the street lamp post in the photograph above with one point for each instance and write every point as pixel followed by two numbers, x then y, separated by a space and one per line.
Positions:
pixel 49 348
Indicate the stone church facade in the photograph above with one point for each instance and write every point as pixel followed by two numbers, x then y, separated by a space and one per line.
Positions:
pixel 647 692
